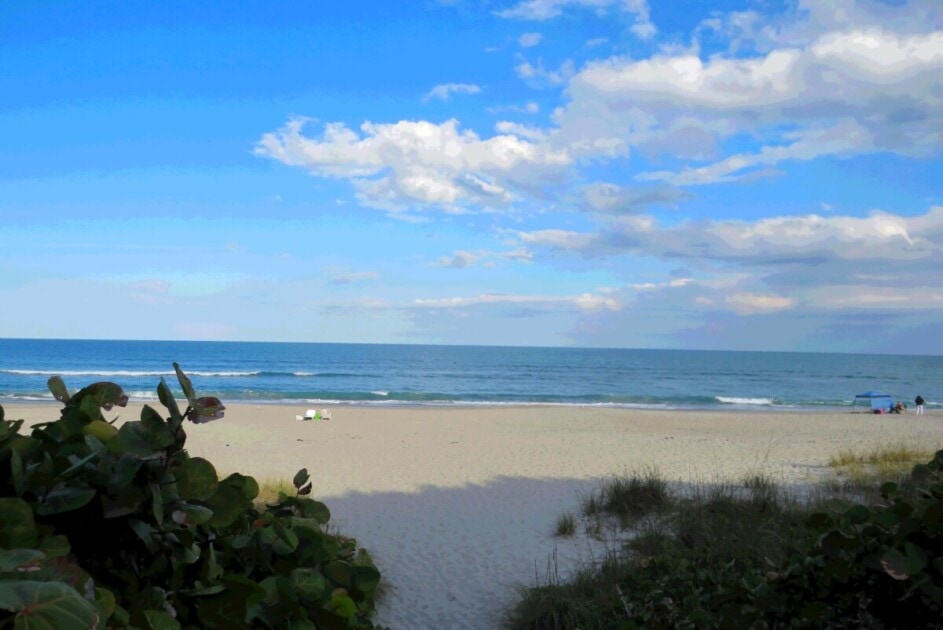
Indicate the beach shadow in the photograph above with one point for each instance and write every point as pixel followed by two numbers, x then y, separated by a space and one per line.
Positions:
pixel 453 557
pixel 456 557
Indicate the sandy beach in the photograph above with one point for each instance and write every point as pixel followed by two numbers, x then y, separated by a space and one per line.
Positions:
pixel 457 505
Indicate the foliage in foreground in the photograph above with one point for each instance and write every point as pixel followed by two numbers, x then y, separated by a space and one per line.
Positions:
pixel 121 527
pixel 756 559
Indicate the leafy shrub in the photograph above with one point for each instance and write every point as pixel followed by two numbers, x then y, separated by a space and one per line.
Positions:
pixel 121 527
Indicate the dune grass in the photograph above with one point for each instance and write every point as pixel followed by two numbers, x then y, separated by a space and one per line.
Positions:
pixel 886 455
pixel 269 489
pixel 566 525
pixel 684 539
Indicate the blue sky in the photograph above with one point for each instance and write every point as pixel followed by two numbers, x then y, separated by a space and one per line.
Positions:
pixel 752 175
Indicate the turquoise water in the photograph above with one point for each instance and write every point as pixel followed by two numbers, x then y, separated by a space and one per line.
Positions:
pixel 415 374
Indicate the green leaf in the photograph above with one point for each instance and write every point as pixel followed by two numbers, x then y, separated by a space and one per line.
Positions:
pixel 105 395
pixel 17 526
pixel 167 399
pixel 157 503
pixel 128 501
pixel 46 605
pixel 212 569
pixel 316 510
pixel 286 542
pixel 101 430
pixel 123 472
pixel 340 573
pixel 309 584
pixel 856 515
pixel 342 606
pixel 13 559
pixel 150 414
pixel 55 546
pixel 59 391
pixel 366 578
pixel 185 385
pixel 247 486
pixel 301 478
pixel 145 532
pixel 227 505
pixel 903 566
pixel 1 413
pixel 197 480
pixel 229 609
pixel 76 466
pixel 105 602
pixel 145 437
pixel 192 514
pixel 90 407
pixel 159 620
pixel 16 470
pixel 65 499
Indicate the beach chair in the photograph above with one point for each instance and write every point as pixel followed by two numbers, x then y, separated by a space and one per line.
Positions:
pixel 311 414
pixel 325 414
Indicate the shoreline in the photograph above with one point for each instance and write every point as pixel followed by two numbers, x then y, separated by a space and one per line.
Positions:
pixel 457 505
pixel 395 404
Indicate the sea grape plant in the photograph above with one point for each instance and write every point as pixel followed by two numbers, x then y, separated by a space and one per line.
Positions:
pixel 118 526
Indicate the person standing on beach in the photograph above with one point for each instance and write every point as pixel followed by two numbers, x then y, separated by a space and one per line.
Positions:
pixel 919 402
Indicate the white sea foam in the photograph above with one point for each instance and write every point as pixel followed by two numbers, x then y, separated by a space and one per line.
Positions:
pixel 380 392
pixel 732 400
pixel 125 373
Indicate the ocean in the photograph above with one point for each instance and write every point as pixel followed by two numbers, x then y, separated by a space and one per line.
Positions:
pixel 377 374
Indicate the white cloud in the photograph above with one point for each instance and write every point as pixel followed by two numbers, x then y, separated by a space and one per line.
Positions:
pixel 809 264
pixel 811 239
pixel 547 9
pixel 539 77
pixel 582 302
pixel 458 260
pixel 846 92
pixel 446 90
pixel 616 199
pixel 461 259
pixel 529 40
pixel 562 239
pixel 417 164
pixel 752 303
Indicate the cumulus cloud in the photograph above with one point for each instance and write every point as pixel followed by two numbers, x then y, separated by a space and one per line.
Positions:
pixel 847 92
pixel 445 91
pixel 417 164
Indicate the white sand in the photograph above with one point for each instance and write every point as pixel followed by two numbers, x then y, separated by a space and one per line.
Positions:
pixel 458 505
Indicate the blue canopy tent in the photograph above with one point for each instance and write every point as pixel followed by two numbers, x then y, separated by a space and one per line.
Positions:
pixel 878 401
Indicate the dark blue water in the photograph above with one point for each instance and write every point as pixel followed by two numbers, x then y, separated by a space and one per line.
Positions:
pixel 413 374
